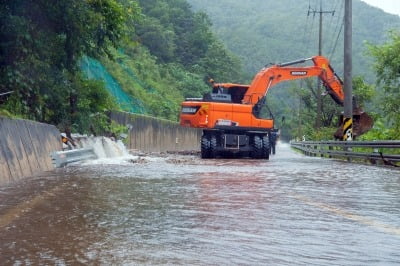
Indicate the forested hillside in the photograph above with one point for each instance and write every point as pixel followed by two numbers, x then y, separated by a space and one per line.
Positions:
pixel 263 32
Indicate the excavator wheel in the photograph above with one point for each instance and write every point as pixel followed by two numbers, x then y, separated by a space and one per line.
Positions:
pixel 213 146
pixel 258 150
pixel 266 147
pixel 208 146
pixel 205 147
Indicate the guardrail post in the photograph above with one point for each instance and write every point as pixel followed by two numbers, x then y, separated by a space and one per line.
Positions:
pixel 321 150
pixel 374 161
pixel 349 159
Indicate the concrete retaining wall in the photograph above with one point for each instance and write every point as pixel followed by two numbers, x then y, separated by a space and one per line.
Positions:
pixel 25 148
pixel 156 135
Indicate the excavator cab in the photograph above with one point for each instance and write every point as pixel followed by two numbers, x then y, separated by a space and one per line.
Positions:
pixel 226 92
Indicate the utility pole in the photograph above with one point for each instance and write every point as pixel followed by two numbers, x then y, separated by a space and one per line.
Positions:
pixel 319 90
pixel 348 64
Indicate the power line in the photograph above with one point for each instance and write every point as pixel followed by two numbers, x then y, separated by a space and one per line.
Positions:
pixel 338 29
pixel 334 8
pixel 308 41
pixel 336 41
pixel 304 35
pixel 321 12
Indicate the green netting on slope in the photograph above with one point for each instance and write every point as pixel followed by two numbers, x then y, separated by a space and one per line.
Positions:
pixel 132 75
pixel 95 70
pixel 135 78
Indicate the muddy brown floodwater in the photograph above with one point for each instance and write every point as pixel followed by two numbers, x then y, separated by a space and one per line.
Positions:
pixel 181 210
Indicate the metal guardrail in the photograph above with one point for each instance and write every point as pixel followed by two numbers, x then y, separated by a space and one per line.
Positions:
pixel 62 158
pixel 372 151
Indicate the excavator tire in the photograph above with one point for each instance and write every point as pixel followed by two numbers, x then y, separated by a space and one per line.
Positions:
pixel 205 147
pixel 266 147
pixel 213 146
pixel 258 150
pixel 208 146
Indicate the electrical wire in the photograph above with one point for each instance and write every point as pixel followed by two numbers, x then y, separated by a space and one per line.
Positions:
pixel 305 32
pixel 334 11
pixel 307 39
pixel 338 29
pixel 336 42
pixel 310 31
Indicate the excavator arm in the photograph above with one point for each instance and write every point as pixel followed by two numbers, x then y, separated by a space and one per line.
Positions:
pixel 273 75
pixel 321 68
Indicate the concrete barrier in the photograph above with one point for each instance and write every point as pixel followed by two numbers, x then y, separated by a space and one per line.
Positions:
pixel 151 134
pixel 25 148
pixel 62 158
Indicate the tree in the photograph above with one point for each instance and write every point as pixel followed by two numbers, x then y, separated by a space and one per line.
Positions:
pixel 159 40
pixel 387 67
pixel 41 44
pixel 183 42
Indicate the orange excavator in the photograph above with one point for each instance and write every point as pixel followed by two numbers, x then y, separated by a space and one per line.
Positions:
pixel 230 115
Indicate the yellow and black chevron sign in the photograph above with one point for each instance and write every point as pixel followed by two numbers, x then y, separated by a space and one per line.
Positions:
pixel 347 128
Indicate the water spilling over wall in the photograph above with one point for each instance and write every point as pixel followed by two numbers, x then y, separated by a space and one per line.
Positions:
pixel 104 147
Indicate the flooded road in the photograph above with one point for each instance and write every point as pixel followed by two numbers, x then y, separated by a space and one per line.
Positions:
pixel 181 210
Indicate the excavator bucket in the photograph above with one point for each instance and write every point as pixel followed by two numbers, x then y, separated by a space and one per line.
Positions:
pixel 362 123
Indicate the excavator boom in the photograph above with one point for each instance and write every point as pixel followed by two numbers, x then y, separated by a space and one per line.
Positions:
pixel 285 72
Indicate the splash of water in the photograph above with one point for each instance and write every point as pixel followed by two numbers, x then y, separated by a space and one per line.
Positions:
pixel 107 150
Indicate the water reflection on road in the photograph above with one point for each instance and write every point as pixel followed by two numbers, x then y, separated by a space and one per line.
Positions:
pixel 291 210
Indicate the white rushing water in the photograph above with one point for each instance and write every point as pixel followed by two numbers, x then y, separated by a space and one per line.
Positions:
pixel 107 150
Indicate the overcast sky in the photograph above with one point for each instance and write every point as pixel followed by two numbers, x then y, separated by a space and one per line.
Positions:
pixel 389 6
